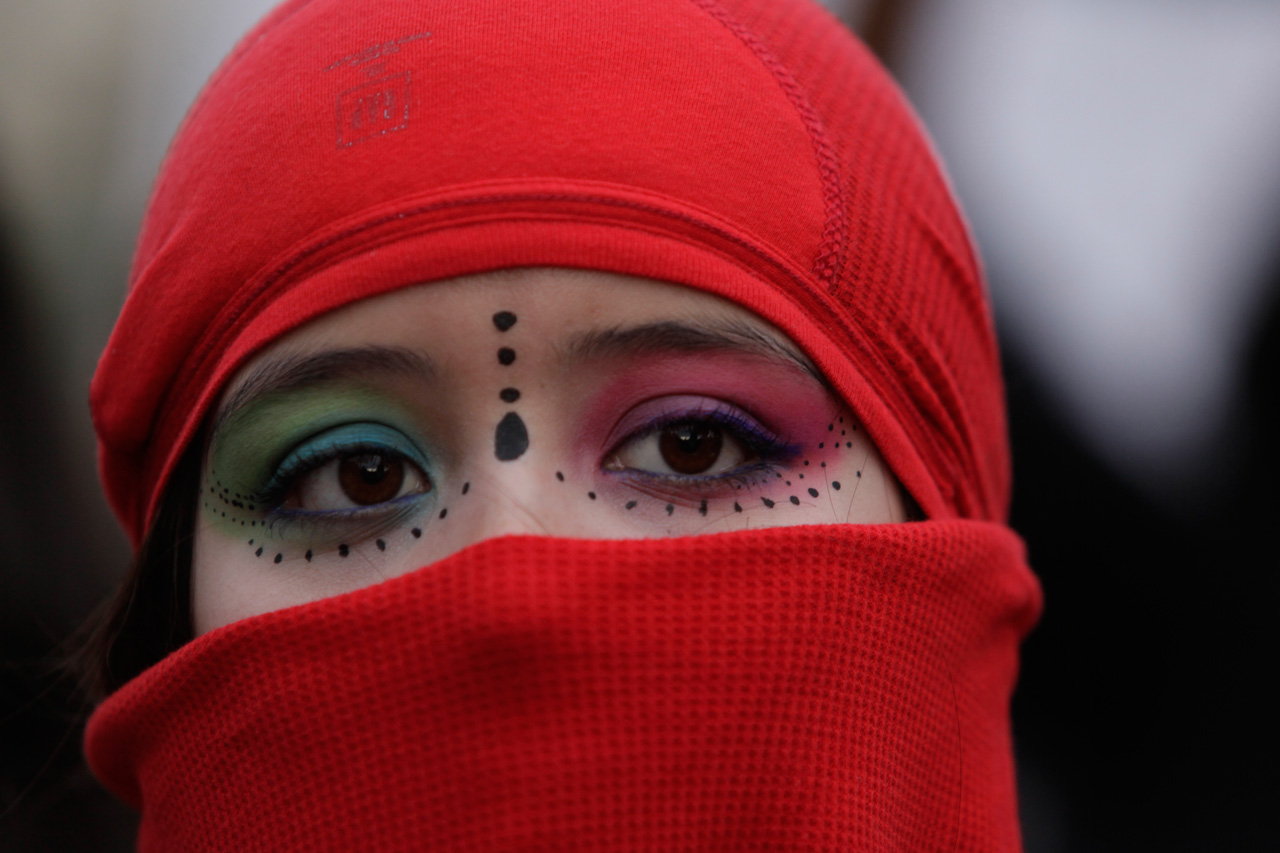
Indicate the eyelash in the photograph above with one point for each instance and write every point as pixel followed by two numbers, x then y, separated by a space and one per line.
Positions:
pixel 771 450
pixel 314 455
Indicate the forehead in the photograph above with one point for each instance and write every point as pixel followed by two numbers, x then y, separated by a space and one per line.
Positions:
pixel 564 310
pixel 558 301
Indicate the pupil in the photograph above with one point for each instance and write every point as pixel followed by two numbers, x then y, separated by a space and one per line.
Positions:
pixel 690 448
pixel 370 478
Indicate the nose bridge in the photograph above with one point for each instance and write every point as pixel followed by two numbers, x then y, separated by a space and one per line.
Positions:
pixel 508 501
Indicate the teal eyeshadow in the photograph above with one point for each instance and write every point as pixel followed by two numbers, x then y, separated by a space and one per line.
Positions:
pixel 342 439
pixel 250 452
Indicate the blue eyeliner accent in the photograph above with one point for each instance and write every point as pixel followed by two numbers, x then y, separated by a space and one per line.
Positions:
pixel 334 443
pixel 769 449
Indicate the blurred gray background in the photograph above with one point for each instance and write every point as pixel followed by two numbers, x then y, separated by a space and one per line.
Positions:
pixel 1120 164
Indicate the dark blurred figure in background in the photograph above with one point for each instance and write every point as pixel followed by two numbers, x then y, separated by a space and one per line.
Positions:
pixel 48 800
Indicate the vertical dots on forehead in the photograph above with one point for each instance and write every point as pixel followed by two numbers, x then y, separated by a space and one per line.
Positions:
pixel 504 320
pixel 506 356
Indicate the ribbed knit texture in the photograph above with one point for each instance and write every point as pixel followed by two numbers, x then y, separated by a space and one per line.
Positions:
pixel 815 688
pixel 750 148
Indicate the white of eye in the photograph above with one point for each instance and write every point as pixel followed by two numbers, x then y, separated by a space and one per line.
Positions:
pixel 690 448
pixel 357 480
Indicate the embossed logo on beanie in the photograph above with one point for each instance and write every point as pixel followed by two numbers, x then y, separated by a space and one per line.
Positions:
pixel 382 103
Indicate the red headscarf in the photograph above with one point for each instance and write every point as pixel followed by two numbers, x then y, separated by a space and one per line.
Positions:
pixel 827 688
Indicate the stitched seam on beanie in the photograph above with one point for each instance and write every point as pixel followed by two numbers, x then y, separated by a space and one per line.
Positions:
pixel 828 263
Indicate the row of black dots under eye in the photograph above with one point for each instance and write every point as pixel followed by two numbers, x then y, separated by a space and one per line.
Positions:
pixel 768 502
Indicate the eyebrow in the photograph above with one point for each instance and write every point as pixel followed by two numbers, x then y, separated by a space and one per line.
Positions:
pixel 671 336
pixel 290 372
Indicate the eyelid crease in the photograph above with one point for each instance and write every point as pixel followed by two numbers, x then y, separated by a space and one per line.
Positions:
pixel 292 371
pixel 337 441
pixel 745 427
pixel 672 336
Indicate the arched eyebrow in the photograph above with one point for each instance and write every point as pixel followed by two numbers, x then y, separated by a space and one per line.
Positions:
pixel 290 371
pixel 680 336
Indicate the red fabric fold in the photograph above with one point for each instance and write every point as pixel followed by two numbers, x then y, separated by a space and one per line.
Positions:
pixel 817 688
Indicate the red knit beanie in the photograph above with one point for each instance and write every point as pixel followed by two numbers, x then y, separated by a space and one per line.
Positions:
pixel 751 148
pixel 825 687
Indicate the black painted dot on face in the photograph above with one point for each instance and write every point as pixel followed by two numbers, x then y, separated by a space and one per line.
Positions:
pixel 258 553
pixel 444 512
pixel 308 555
pixel 504 320
pixel 702 508
pixel 511 438
pixel 506 356
pixel 343 550
pixel 767 502
pixel 560 476
pixel 670 509
pixel 835 484
pixel 795 500
pixel 591 495
pixel 417 532
pixel 250 541
pixel 279 557
pixel 466 487
pixel 737 507
pixel 813 493
pixel 509 395
pixel 382 546
pixel 631 504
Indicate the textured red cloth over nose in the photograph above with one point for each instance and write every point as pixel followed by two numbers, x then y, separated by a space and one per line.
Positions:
pixel 816 688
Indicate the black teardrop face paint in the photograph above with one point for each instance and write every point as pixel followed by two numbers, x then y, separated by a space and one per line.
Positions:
pixel 511 438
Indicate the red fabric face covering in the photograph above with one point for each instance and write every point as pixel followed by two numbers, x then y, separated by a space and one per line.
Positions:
pixel 841 688
pixel 818 688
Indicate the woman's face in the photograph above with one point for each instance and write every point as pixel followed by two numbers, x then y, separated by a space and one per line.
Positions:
pixel 396 431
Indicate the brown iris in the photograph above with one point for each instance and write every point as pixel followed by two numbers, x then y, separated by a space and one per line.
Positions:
pixel 690 448
pixel 371 478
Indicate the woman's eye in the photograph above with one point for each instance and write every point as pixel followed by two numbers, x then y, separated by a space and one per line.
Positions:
pixel 685 448
pixel 360 479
